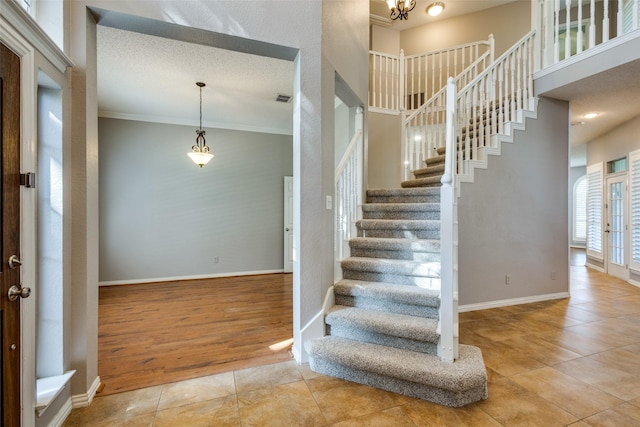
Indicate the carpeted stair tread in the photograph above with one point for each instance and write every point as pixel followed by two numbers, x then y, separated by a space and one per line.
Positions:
pixel 392 266
pixel 466 373
pixel 398 224
pixel 414 295
pixel 392 324
pixel 411 300
pixel 432 181
pixel 429 171
pixel 400 192
pixel 403 195
pixel 401 211
pixel 436 160
pixel 415 207
pixel 396 244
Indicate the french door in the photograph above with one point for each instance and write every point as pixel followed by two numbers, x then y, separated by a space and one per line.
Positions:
pixel 616 229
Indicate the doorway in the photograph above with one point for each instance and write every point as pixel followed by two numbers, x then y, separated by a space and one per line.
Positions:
pixel 229 192
pixel 616 229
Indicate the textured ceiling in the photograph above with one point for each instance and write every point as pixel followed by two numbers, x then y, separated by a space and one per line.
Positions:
pixel 150 78
pixel 612 94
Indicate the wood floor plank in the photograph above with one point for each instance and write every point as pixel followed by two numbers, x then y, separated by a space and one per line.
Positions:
pixel 154 333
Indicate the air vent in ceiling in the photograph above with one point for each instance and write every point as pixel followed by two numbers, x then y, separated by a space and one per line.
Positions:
pixel 283 98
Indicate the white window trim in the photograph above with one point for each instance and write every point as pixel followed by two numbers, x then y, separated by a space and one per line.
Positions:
pixel 575 238
pixel 595 211
pixel 634 210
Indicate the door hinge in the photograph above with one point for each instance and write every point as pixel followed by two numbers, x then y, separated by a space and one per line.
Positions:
pixel 28 179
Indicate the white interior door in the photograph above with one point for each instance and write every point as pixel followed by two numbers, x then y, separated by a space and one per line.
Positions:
pixel 288 224
pixel 616 227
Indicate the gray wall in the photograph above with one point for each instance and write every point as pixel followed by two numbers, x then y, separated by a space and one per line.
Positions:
pixel 574 174
pixel 513 218
pixel 161 216
pixel 616 144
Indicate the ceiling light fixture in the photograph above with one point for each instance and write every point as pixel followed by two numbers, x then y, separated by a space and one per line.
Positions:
pixel 435 9
pixel 400 8
pixel 200 152
pixel 591 115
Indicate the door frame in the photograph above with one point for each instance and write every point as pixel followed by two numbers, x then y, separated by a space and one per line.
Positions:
pixel 287 229
pixel 28 83
pixel 609 267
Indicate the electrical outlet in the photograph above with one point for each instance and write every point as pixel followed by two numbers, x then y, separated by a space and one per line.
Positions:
pixel 507 279
pixel 216 259
pixel 329 203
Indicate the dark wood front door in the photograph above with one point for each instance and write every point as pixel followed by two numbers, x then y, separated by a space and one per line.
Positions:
pixel 10 244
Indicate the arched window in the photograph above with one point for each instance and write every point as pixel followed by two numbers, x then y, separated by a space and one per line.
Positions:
pixel 580 210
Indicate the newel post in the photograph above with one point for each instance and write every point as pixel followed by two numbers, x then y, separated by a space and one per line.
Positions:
pixel 448 346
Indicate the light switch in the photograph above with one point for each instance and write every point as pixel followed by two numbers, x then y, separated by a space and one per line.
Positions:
pixel 329 203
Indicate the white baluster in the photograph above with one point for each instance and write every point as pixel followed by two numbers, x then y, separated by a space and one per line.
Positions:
pixel 592 26
pixel 567 34
pixel 556 44
pixel 375 79
pixel 605 22
pixel 401 84
pixel 513 93
pixel 620 20
pixel 580 37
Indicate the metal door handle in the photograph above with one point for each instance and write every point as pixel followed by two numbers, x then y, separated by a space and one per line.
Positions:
pixel 286 229
pixel 14 262
pixel 15 292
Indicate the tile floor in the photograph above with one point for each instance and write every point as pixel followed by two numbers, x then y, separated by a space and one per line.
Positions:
pixel 556 363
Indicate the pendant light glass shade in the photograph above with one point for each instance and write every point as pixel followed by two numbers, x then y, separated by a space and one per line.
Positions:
pixel 200 152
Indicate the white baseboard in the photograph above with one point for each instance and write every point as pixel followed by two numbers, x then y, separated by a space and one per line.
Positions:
pixel 82 400
pixel 61 416
pixel 195 277
pixel 313 329
pixel 595 267
pixel 512 301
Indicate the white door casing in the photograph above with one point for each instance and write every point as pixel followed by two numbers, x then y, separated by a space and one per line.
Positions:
pixel 288 224
pixel 616 228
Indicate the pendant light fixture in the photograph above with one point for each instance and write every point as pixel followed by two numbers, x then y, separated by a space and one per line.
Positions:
pixel 400 8
pixel 200 152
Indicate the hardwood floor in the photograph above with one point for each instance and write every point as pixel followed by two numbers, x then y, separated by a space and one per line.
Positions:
pixel 157 333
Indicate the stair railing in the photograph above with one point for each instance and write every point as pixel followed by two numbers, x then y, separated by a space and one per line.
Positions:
pixel 424 129
pixel 483 108
pixel 398 83
pixel 570 27
pixel 448 345
pixel 348 196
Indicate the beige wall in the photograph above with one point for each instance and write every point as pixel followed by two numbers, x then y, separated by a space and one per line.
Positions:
pixel 384 151
pixel 508 23
pixel 385 40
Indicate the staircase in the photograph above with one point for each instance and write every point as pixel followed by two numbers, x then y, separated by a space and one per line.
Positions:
pixel 394 324
pixel 383 330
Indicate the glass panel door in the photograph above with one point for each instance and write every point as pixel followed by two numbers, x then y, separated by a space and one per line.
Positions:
pixel 616 228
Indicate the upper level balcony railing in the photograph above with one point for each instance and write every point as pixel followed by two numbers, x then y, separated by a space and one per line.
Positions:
pixel 570 27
